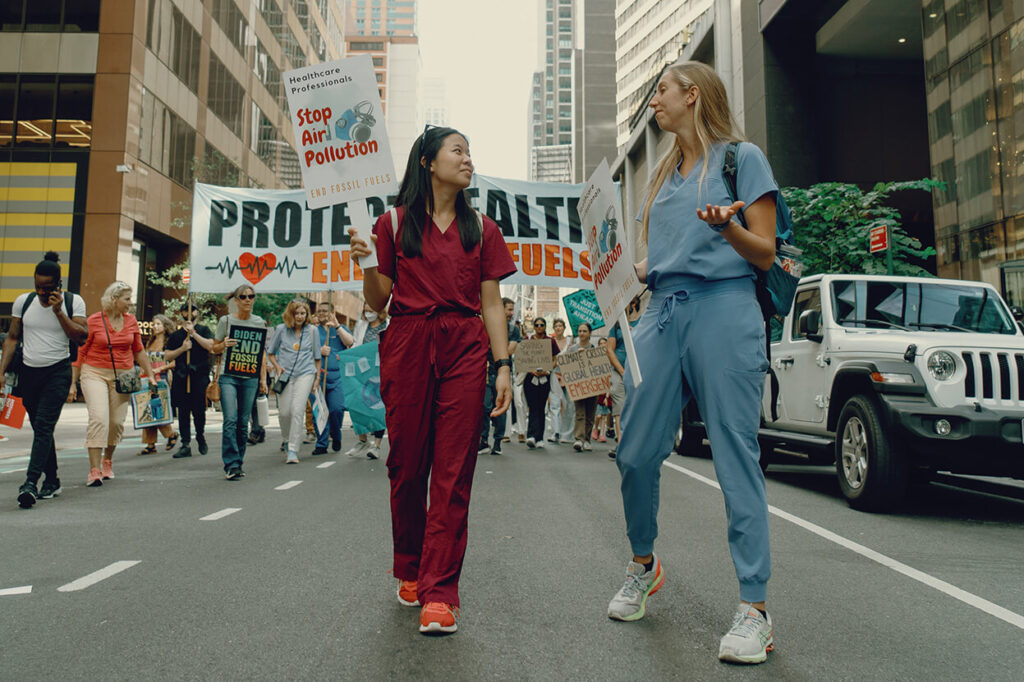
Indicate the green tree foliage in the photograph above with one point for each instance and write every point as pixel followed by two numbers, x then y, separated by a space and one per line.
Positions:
pixel 833 221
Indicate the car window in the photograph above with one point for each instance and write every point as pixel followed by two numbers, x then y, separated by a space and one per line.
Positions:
pixel 808 299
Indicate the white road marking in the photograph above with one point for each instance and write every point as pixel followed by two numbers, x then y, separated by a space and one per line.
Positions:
pixel 11 591
pixel 968 598
pixel 324 465
pixel 93 578
pixel 221 514
pixel 288 485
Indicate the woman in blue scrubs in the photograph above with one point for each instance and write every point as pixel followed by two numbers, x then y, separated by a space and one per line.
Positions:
pixel 702 336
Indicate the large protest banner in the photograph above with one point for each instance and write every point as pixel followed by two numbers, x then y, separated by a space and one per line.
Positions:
pixel 245 357
pixel 272 240
pixel 582 306
pixel 534 354
pixel 360 382
pixel 586 372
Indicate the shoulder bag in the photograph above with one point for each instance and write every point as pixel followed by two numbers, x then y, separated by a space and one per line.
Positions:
pixel 126 382
pixel 282 381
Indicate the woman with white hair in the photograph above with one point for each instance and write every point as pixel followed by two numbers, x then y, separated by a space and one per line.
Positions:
pixel 113 347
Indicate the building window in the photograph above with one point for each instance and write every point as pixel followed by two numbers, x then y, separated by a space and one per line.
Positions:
pixel 372 46
pixel 231 21
pixel 166 142
pixel 52 111
pixel 72 16
pixel 225 97
pixel 174 41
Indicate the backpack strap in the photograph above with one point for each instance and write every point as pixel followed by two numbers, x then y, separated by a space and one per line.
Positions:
pixel 394 225
pixel 729 175
pixel 24 308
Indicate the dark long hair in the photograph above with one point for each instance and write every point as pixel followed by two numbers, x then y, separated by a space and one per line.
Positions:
pixel 417 195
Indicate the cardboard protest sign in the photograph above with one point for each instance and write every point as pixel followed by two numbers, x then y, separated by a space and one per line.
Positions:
pixel 586 372
pixel 245 358
pixel 360 382
pixel 343 147
pixel 615 280
pixel 581 306
pixel 270 239
pixel 12 412
pixel 143 414
pixel 534 354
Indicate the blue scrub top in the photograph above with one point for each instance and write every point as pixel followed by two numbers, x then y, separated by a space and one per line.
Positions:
pixel 682 246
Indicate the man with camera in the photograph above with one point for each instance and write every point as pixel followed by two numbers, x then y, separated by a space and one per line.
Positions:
pixel 49 324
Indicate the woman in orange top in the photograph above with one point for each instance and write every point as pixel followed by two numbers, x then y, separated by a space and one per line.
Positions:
pixel 112 332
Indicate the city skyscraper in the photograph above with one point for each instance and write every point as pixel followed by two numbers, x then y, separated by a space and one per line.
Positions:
pixel 386 30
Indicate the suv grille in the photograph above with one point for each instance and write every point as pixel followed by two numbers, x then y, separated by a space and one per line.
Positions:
pixel 994 376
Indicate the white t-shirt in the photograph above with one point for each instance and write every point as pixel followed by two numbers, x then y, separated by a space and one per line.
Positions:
pixel 44 342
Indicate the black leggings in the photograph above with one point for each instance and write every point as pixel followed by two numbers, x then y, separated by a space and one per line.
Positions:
pixel 190 403
pixel 536 401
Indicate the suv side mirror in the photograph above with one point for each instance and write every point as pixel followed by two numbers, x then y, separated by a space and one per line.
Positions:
pixel 809 325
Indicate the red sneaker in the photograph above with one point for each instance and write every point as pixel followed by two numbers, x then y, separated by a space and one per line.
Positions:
pixel 107 467
pixel 95 478
pixel 436 617
pixel 407 593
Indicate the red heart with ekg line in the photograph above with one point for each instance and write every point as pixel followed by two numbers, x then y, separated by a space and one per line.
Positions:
pixel 255 269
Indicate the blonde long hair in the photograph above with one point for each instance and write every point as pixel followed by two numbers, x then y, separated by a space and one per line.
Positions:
pixel 113 292
pixel 712 119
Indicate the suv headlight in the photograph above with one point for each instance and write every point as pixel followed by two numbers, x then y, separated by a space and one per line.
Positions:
pixel 942 365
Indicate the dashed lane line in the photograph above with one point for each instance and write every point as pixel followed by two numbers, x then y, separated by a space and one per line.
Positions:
pixel 93 578
pixel 324 465
pixel 968 598
pixel 288 485
pixel 228 511
pixel 11 591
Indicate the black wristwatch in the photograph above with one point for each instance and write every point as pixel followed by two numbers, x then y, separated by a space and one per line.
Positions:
pixel 504 362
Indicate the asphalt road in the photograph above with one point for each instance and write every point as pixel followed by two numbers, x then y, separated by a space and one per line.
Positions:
pixel 295 583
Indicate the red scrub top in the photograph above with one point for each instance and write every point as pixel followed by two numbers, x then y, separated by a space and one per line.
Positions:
pixel 445 276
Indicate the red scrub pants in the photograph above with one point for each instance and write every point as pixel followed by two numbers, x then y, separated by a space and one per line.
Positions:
pixel 432 372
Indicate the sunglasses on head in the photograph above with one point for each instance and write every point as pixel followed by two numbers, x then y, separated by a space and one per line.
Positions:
pixel 246 297
pixel 423 137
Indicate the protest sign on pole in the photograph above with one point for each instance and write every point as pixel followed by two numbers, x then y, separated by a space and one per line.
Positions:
pixel 581 306
pixel 586 372
pixel 343 147
pixel 534 354
pixel 245 358
pixel 611 255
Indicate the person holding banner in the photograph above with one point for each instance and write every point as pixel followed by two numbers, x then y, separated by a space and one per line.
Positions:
pixel 332 338
pixel 238 393
pixel 587 407
pixel 369 329
pixel 561 414
pixel 703 337
pixel 113 347
pixel 536 388
pixel 296 345
pixel 160 328
pixel 189 349
pixel 439 262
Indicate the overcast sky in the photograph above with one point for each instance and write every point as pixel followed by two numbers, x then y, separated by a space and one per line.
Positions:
pixel 486 51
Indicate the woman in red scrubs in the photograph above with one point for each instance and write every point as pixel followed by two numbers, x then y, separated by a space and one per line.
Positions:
pixel 440 268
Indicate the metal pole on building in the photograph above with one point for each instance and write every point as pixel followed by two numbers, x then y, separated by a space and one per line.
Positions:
pixel 889 248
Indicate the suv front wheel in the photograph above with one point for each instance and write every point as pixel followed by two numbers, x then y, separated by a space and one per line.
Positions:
pixel 872 471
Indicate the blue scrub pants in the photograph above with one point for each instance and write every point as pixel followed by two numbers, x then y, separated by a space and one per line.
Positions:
pixel 704 341
pixel 336 410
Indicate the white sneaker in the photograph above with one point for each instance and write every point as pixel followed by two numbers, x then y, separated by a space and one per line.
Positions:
pixel 293 458
pixel 577 446
pixel 586 446
pixel 309 438
pixel 630 602
pixel 749 639
pixel 358 449
pixel 373 452
pixel 531 443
